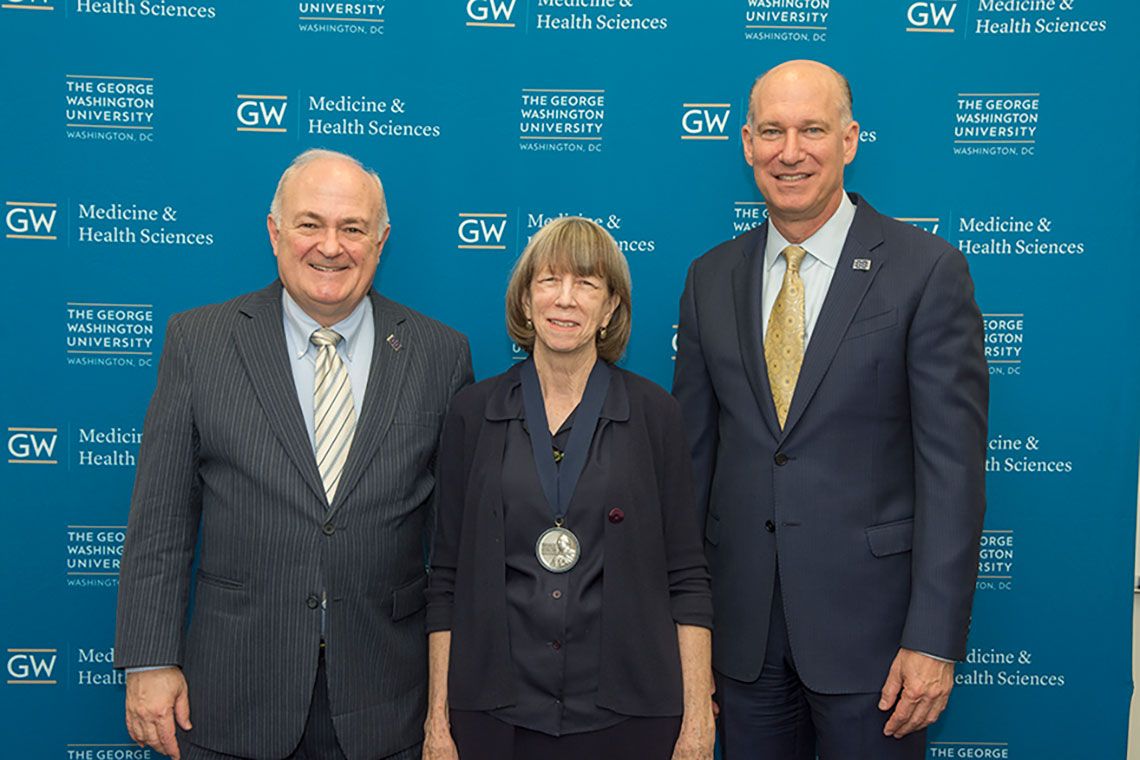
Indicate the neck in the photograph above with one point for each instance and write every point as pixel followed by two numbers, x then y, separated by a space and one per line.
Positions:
pixel 563 376
pixel 797 231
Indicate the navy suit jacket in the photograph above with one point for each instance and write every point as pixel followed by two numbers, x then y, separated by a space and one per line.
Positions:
pixel 226 458
pixel 870 500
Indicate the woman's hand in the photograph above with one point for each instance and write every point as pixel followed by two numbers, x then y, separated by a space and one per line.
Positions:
pixel 438 744
pixel 698 724
pixel 698 734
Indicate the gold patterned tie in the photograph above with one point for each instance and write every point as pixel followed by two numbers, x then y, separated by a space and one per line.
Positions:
pixel 784 343
pixel 333 412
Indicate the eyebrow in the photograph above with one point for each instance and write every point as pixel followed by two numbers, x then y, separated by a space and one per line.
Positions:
pixel 811 123
pixel 357 220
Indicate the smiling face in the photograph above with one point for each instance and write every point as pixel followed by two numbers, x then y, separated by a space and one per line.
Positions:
pixel 568 310
pixel 328 242
pixel 570 280
pixel 797 143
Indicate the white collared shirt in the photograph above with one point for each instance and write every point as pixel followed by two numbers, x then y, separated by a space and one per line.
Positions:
pixel 818 267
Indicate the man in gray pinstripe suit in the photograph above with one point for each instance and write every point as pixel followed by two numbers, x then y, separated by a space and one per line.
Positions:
pixel 306 639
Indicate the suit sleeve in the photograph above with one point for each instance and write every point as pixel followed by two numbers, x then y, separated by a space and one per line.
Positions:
pixel 162 529
pixel 949 396
pixel 694 390
pixel 461 375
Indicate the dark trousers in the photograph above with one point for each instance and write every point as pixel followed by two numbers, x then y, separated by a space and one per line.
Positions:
pixel 480 736
pixel 777 717
pixel 318 742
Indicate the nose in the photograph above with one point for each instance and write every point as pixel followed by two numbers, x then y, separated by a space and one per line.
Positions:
pixel 791 151
pixel 330 242
pixel 566 291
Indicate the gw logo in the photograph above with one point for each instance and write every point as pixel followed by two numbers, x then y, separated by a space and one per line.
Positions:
pixel 262 113
pixel 28 5
pixel 30 221
pixel 28 445
pixel 482 232
pixel 929 223
pixel 931 16
pixel 704 121
pixel 31 666
pixel 491 13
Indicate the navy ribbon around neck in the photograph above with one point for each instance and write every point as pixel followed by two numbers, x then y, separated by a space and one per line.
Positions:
pixel 559 481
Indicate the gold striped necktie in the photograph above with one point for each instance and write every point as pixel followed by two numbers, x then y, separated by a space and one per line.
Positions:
pixel 333 412
pixel 784 343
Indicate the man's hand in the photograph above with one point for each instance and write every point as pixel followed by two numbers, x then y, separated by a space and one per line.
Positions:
pixel 438 744
pixel 155 699
pixel 924 683
pixel 698 734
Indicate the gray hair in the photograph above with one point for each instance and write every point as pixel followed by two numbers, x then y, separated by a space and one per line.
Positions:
pixel 308 157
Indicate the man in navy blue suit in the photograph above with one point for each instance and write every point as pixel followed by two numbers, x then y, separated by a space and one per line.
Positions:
pixel 831 371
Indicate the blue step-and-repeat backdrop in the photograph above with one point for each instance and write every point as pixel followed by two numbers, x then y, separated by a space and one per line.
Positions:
pixel 141 141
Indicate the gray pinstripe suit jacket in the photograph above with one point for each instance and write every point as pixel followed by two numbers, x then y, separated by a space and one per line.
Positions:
pixel 226 458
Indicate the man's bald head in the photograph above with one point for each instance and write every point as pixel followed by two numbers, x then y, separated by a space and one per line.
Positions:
pixel 805 70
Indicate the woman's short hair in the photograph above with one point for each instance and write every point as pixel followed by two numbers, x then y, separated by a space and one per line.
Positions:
pixel 582 247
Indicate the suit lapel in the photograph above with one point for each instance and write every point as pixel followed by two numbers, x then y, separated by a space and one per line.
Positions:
pixel 747 287
pixel 385 379
pixel 265 356
pixel 848 286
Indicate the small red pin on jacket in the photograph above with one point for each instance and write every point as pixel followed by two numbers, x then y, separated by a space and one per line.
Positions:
pixel 616 515
pixel 394 342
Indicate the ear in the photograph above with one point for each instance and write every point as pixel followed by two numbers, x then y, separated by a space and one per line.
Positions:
pixel 611 306
pixel 746 141
pixel 383 240
pixel 274 233
pixel 850 142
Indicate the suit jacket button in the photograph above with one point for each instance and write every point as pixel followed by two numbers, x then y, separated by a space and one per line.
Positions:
pixel 328 529
pixel 770 526
pixel 313 602
pixel 781 459
pixel 616 515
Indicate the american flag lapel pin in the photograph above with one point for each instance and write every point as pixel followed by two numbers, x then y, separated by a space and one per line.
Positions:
pixel 394 342
pixel 863 265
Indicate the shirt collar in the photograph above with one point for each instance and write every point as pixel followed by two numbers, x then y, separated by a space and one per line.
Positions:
pixel 299 326
pixel 506 401
pixel 824 246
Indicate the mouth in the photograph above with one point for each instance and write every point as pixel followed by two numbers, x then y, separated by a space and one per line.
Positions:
pixel 564 323
pixel 325 268
pixel 800 177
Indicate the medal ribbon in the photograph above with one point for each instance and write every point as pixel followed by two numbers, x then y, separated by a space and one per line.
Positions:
pixel 559 481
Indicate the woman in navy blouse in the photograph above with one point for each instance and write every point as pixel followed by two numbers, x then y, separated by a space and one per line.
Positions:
pixel 569 610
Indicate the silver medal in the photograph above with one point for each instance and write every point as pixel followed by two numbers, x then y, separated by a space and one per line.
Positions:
pixel 557 549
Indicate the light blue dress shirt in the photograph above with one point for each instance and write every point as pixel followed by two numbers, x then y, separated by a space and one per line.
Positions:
pixel 818 267
pixel 359 334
